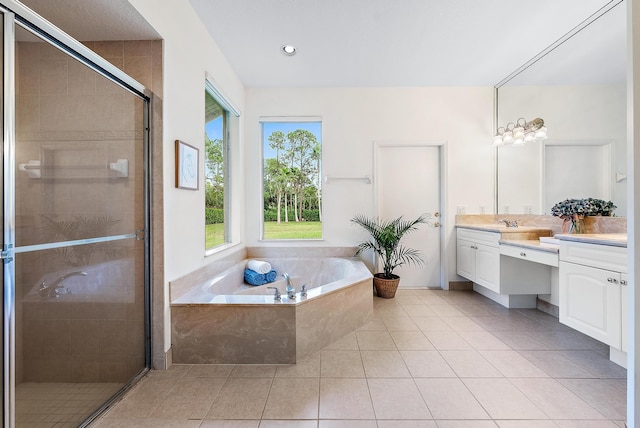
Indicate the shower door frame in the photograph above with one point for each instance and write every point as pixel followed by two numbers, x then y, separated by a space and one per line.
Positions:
pixel 17 14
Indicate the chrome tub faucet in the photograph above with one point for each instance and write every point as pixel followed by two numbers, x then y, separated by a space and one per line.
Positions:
pixel 291 291
pixel 51 290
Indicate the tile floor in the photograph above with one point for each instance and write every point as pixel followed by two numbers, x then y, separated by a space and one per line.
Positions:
pixel 59 405
pixel 429 358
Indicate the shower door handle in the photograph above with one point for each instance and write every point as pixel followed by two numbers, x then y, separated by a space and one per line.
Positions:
pixel 6 255
pixel 140 235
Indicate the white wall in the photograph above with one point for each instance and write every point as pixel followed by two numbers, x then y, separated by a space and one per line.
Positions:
pixel 189 53
pixel 352 118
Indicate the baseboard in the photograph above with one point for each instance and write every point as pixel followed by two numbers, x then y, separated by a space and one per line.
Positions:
pixel 164 362
pixel 547 308
pixel 460 285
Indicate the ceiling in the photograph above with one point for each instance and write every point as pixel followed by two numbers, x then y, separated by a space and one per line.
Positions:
pixel 386 42
pixel 353 43
pixel 89 20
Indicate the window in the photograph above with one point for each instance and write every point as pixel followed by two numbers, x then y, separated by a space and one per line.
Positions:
pixel 291 180
pixel 216 162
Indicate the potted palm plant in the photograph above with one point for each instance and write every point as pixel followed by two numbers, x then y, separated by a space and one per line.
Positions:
pixel 385 237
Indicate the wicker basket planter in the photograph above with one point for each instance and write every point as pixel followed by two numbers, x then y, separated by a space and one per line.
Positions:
pixel 386 288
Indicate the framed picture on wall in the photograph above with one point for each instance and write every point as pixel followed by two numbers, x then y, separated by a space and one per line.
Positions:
pixel 186 166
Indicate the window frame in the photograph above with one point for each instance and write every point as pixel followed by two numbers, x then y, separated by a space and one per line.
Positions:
pixel 228 110
pixel 287 120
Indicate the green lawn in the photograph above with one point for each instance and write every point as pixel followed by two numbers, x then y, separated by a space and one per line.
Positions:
pixel 214 235
pixel 293 230
pixel 272 230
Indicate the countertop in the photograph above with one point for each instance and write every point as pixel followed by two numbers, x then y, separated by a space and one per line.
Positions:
pixel 501 228
pixel 613 239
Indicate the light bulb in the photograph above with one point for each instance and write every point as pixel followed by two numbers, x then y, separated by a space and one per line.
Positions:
pixel 541 134
pixel 507 137
pixel 529 137
pixel 518 133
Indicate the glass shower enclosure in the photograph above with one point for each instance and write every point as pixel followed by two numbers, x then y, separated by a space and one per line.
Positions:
pixel 75 227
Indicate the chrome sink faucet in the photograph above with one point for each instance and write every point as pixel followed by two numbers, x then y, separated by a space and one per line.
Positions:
pixel 51 290
pixel 509 223
pixel 291 291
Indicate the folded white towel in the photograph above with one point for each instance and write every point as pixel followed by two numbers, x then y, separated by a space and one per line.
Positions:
pixel 259 266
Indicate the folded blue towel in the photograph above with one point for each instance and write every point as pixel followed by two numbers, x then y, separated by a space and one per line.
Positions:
pixel 254 278
pixel 270 276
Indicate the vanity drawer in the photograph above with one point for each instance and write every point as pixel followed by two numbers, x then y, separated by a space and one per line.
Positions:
pixel 600 256
pixel 535 256
pixel 491 239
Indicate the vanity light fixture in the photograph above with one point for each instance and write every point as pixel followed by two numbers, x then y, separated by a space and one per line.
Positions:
pixel 520 132
pixel 288 50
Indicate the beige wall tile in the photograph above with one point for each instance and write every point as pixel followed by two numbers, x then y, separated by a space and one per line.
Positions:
pixel 54 76
pixel 140 68
pixel 138 48
pixel 109 49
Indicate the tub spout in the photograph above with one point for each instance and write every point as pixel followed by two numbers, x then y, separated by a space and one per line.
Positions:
pixel 291 291
pixel 51 290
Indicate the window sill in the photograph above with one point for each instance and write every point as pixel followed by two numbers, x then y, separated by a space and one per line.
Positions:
pixel 220 248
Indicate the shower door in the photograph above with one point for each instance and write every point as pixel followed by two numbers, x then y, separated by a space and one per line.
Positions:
pixel 77 282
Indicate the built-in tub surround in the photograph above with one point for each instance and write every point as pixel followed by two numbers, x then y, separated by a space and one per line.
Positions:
pixel 223 320
pixel 86 330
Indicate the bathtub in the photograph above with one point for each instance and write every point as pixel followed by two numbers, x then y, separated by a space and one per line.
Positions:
pixel 108 282
pixel 222 320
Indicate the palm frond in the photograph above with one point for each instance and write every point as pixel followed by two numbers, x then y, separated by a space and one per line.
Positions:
pixel 385 237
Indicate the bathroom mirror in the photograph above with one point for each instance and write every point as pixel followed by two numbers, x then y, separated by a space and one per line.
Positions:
pixel 579 90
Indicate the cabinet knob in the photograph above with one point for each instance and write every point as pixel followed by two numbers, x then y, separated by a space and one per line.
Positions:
pixel 523 254
pixel 623 281
pixel 612 280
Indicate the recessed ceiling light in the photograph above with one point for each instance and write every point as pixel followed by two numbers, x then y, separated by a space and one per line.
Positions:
pixel 288 50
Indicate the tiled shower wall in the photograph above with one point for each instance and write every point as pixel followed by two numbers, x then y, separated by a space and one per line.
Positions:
pixel 68 116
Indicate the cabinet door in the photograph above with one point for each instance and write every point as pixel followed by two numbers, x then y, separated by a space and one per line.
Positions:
pixel 590 301
pixel 488 267
pixel 624 312
pixel 466 259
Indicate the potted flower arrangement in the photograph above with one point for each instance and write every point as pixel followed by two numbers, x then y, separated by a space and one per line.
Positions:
pixel 385 236
pixel 573 212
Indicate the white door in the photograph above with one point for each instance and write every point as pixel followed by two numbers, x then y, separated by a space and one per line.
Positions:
pixel 408 184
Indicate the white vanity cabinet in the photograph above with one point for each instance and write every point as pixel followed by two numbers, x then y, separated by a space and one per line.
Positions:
pixel 590 302
pixel 510 275
pixel 478 257
pixel 592 284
